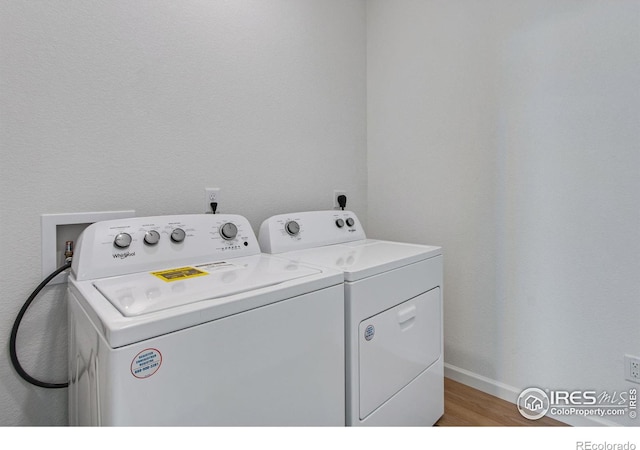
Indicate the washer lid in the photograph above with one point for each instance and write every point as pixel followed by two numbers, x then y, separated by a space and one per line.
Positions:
pixel 364 258
pixel 147 292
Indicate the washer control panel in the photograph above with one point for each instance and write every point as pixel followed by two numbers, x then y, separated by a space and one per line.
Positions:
pixel 123 246
pixel 297 231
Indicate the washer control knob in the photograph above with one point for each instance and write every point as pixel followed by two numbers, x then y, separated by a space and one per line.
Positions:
pixel 228 231
pixel 151 237
pixel 178 235
pixel 351 222
pixel 292 227
pixel 122 240
pixel 339 223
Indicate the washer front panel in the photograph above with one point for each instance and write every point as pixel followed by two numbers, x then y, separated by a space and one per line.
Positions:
pixel 277 365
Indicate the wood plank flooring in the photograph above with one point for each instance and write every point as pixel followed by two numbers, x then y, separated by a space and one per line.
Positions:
pixel 465 406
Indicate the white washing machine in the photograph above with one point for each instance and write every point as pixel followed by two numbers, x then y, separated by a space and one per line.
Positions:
pixel 393 314
pixel 181 320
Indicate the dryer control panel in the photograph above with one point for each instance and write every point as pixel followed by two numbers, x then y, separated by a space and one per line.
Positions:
pixel 298 231
pixel 124 246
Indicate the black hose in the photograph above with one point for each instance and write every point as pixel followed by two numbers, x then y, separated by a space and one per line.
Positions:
pixel 14 334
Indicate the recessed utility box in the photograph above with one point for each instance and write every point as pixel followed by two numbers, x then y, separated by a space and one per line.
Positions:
pixel 57 229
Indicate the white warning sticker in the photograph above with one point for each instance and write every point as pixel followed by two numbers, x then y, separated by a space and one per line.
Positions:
pixel 146 363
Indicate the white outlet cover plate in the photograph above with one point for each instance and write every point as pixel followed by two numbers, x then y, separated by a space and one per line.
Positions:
pixel 50 223
pixel 208 194
pixel 628 359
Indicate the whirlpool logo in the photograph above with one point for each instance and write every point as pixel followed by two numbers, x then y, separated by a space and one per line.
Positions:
pixel 123 255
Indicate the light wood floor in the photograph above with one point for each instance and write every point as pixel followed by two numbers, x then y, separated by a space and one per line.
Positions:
pixel 465 406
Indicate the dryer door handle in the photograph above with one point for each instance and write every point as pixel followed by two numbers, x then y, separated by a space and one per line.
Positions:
pixel 406 316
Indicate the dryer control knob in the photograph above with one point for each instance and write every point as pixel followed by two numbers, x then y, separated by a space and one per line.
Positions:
pixel 122 240
pixel 351 222
pixel 151 237
pixel 339 223
pixel 228 231
pixel 292 227
pixel 178 235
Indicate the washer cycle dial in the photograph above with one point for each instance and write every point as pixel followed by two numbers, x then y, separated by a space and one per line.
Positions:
pixel 339 223
pixel 122 240
pixel 228 231
pixel 292 227
pixel 151 237
pixel 178 235
pixel 350 222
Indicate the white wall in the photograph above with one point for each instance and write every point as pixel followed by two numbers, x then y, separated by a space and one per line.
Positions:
pixel 111 105
pixel 509 133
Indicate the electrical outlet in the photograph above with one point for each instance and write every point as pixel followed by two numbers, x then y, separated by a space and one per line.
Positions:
pixel 632 368
pixel 337 193
pixel 211 195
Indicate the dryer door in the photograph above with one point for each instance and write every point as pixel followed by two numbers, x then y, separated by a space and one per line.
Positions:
pixel 395 346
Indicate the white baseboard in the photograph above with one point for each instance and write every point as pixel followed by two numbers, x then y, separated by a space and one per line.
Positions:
pixel 510 394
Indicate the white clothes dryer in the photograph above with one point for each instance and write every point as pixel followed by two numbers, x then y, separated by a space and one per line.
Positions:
pixel 181 320
pixel 393 314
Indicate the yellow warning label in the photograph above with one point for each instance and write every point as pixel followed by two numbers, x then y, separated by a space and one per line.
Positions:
pixel 179 274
